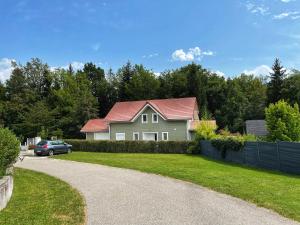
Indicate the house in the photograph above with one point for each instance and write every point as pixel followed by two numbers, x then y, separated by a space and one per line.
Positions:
pixel 256 127
pixel 158 120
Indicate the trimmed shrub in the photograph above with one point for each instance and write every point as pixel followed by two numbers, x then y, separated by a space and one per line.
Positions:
pixel 9 149
pixel 283 122
pixel 204 131
pixel 129 146
pixel 231 143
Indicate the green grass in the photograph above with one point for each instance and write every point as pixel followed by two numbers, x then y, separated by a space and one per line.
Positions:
pixel 41 199
pixel 277 191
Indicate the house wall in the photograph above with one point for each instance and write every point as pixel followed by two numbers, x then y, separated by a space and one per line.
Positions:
pixel 177 129
pixel 89 136
pixel 97 136
pixel 101 136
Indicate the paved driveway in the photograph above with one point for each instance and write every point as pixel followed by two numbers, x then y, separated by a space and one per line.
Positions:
pixel 127 197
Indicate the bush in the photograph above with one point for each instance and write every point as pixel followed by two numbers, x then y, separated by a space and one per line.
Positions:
pixel 204 131
pixel 231 143
pixel 129 146
pixel 9 149
pixel 283 122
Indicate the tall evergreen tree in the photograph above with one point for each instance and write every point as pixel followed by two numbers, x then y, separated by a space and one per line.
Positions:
pixel 274 91
pixel 125 74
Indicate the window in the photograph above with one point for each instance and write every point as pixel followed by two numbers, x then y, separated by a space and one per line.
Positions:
pixel 144 118
pixel 154 118
pixel 150 136
pixel 136 136
pixel 120 136
pixel 165 136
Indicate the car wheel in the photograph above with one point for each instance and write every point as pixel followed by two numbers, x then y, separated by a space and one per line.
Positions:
pixel 51 152
pixel 69 150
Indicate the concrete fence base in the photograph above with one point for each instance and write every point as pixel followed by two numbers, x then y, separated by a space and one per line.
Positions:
pixel 6 189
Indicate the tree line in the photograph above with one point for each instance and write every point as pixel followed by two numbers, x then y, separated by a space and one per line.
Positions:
pixel 36 100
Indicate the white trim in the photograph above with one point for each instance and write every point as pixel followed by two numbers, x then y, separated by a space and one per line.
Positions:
pixel 162 136
pixel 121 139
pixel 141 111
pixel 156 118
pixel 137 134
pixel 150 133
pixel 145 114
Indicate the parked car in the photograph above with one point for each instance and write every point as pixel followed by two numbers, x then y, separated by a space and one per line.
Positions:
pixel 46 147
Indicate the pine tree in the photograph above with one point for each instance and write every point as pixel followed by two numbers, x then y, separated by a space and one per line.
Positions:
pixel 275 85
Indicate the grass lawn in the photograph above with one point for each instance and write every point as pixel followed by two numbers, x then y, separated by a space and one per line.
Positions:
pixel 272 190
pixel 41 199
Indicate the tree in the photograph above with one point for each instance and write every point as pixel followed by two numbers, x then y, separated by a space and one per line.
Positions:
pixel 99 86
pixel 142 85
pixel 291 88
pixel 283 121
pixel 276 82
pixel 38 77
pixel 125 74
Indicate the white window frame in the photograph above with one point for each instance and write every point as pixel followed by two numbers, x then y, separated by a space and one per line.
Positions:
pixel 121 139
pixel 134 133
pixel 146 118
pixel 162 136
pixel 153 118
pixel 150 133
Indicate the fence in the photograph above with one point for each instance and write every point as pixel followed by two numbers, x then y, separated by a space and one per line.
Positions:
pixel 281 156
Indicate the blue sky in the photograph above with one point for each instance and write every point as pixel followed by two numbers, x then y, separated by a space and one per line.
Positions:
pixel 230 37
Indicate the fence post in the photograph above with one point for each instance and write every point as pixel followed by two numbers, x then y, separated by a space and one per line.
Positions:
pixel 258 153
pixel 278 154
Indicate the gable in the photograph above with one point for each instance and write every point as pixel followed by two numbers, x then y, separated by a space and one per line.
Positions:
pixel 170 109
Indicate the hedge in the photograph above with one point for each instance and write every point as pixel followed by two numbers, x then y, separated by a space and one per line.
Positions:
pixel 9 149
pixel 129 146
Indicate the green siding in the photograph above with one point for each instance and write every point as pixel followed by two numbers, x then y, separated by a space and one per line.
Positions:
pixel 89 136
pixel 177 129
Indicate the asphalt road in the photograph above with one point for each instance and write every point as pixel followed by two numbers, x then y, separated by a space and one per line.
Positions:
pixel 126 197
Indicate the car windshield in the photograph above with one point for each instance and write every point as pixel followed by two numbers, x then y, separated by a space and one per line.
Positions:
pixel 41 143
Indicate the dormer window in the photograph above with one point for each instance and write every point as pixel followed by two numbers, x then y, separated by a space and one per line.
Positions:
pixel 144 118
pixel 154 118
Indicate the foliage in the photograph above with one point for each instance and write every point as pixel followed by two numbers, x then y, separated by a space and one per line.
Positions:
pixel 204 131
pixel 64 99
pixel 231 143
pixel 9 149
pixel 275 85
pixel 283 121
pixel 41 199
pixel 130 146
pixel 273 190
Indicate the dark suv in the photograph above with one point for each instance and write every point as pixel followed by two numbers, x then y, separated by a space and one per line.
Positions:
pixel 52 147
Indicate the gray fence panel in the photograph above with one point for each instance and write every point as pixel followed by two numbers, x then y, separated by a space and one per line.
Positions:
pixel 208 150
pixel 268 155
pixel 251 154
pixel 235 156
pixel 280 156
pixel 289 157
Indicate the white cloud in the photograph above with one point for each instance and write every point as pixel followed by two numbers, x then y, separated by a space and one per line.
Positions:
pixel 157 74
pixel 259 70
pixel 5 68
pixel 190 55
pixel 293 15
pixel 219 73
pixel 75 65
pixel 150 56
pixel 257 9
pixel 286 1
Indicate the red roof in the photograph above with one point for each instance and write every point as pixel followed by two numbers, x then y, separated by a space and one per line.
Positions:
pixel 171 109
pixel 95 125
